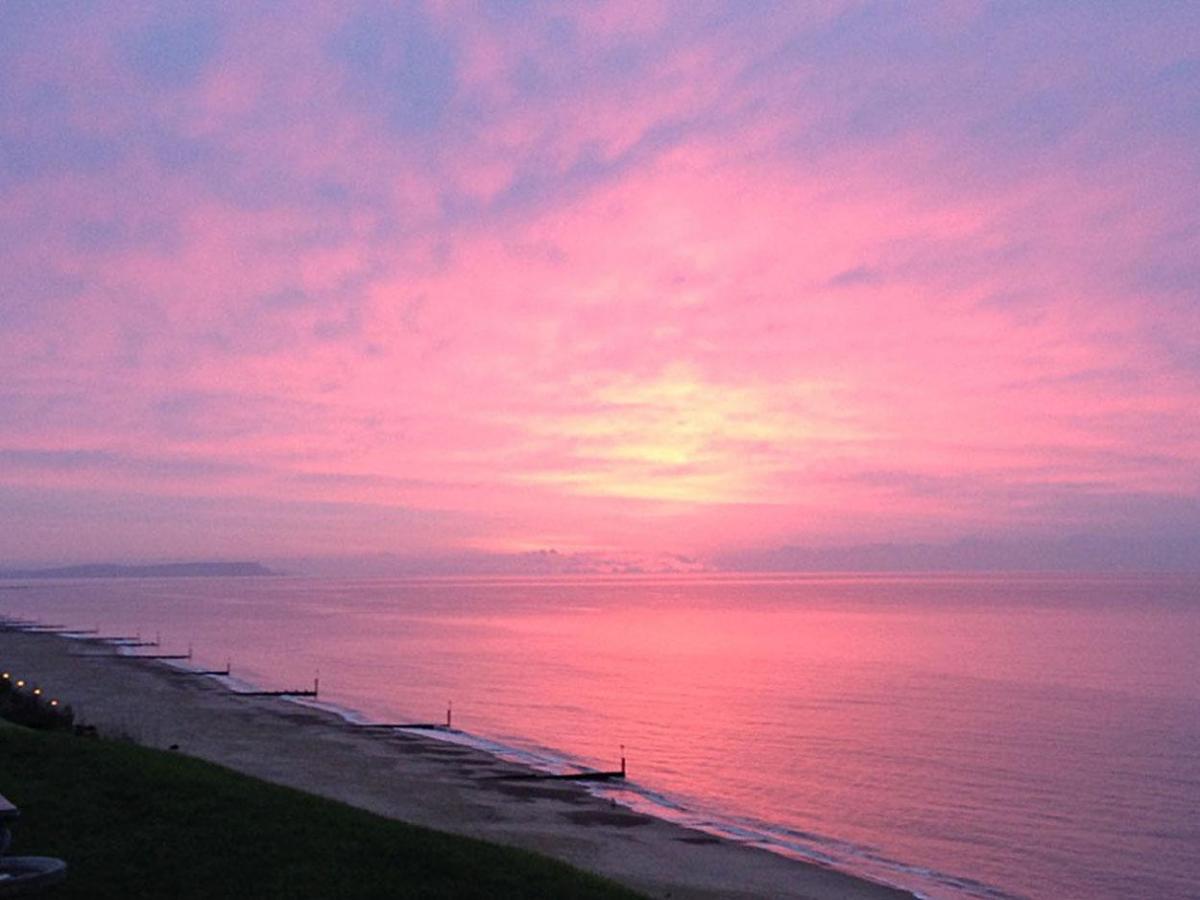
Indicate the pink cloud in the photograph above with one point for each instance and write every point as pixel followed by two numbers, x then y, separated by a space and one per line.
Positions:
pixel 685 302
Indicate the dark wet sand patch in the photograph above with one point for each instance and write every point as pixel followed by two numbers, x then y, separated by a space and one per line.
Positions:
pixel 534 792
pixel 606 817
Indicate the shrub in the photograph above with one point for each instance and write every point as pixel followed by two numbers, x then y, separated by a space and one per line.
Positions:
pixel 29 706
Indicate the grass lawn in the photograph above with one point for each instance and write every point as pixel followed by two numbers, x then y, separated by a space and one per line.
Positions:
pixel 132 822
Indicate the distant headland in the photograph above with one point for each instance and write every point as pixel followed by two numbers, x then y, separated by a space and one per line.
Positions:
pixel 164 570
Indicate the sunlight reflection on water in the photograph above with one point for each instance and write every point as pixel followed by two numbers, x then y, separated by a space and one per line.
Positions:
pixel 1037 735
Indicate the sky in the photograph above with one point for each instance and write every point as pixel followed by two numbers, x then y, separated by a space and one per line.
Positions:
pixel 649 284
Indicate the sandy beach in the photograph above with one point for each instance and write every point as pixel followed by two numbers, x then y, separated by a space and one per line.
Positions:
pixel 408 777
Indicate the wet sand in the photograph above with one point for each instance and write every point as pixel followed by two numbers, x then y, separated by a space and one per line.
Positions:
pixel 409 777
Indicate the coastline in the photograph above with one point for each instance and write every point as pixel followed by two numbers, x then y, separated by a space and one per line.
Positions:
pixel 410 777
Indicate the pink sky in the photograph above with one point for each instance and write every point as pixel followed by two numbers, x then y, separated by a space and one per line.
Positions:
pixel 622 280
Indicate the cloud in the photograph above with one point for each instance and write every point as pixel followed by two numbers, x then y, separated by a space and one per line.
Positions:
pixel 682 278
pixel 174 51
pixel 398 64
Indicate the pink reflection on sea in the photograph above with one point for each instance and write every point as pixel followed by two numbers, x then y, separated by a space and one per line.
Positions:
pixel 1035 736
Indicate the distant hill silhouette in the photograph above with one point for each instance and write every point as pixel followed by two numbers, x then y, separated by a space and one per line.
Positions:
pixel 166 570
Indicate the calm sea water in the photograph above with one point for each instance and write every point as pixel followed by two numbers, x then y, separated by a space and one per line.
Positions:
pixel 962 736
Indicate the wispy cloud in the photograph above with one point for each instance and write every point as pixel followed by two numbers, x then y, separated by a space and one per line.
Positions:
pixel 627 278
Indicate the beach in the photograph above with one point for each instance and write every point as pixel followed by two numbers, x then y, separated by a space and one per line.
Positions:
pixel 407 776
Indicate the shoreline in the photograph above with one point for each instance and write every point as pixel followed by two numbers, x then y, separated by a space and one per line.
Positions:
pixel 416 778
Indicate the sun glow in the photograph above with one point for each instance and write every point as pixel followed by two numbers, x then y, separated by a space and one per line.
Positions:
pixel 681 438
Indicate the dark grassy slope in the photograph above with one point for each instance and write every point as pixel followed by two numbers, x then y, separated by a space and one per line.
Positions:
pixel 132 822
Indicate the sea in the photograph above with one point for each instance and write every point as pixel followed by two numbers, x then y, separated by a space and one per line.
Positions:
pixel 962 736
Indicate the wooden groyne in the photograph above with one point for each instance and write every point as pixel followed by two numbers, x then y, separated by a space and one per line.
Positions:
pixel 587 775
pixel 299 692
pixel 133 642
pixel 164 656
pixel 420 726
pixel 387 726
pixel 225 671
